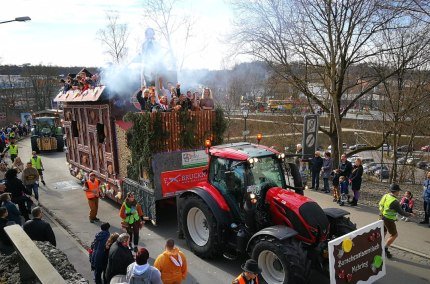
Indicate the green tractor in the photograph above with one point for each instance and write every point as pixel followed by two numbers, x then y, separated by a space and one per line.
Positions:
pixel 47 134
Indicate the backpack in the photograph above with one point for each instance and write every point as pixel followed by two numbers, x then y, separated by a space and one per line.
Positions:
pixel 145 278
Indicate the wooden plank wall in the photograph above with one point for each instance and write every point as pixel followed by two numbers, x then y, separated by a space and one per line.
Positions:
pixel 171 124
pixel 85 151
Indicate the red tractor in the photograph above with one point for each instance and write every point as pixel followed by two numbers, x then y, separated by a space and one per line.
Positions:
pixel 252 203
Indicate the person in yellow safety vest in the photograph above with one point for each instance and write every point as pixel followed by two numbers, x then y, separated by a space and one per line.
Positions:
pixel 250 273
pixel 389 207
pixel 132 218
pixel 36 162
pixel 93 192
pixel 12 135
pixel 12 149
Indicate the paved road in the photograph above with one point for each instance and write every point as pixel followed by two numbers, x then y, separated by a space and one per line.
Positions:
pixel 64 198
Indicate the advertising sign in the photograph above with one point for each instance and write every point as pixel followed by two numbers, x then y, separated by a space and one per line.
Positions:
pixel 174 181
pixel 358 257
pixel 25 117
pixel 310 134
pixel 194 159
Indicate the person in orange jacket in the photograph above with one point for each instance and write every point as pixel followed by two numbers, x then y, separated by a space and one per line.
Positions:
pixel 93 193
pixel 132 218
pixel 172 264
pixel 250 273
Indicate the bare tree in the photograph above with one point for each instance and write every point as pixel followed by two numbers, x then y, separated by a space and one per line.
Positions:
pixel 320 41
pixel 406 91
pixel 114 37
pixel 43 82
pixel 176 29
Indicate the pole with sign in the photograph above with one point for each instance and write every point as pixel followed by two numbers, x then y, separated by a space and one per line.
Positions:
pixel 310 135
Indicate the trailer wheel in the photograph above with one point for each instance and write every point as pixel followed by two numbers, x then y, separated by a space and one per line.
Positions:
pixel 34 145
pixel 200 227
pixel 60 143
pixel 281 262
pixel 341 226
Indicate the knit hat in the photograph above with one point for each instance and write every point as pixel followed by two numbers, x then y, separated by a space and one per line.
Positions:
pixel 394 187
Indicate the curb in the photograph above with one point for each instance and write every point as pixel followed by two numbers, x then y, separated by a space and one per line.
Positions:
pixel 64 229
pixel 411 251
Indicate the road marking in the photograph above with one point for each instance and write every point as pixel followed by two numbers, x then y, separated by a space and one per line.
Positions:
pixel 67 185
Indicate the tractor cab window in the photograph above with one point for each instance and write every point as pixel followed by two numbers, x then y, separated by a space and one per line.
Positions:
pixel 266 171
pixel 228 176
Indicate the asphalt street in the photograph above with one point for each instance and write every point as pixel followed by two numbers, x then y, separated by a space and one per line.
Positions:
pixel 64 199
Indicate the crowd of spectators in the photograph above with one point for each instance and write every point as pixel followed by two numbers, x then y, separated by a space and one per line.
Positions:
pixel 112 261
pixel 172 99
pixel 82 81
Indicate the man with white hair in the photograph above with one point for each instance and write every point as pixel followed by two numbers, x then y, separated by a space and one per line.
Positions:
pixel 120 257
pixel 316 165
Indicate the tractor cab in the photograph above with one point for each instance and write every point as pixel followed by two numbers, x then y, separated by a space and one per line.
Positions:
pixel 45 126
pixel 244 172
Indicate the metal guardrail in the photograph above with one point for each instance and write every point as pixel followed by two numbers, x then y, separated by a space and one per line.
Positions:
pixel 143 195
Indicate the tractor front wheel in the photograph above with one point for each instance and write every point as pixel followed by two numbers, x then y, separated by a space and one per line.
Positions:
pixel 34 146
pixel 200 227
pixel 281 262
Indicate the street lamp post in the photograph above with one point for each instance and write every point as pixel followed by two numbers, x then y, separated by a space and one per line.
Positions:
pixel 245 116
pixel 18 19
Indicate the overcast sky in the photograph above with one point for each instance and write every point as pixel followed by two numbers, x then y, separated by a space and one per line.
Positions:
pixel 64 32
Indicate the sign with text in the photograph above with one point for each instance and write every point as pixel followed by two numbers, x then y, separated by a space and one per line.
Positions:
pixel 310 135
pixel 174 181
pixel 358 257
pixel 194 159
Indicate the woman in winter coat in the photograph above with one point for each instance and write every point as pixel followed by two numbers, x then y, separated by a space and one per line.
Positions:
pixel 111 240
pixel 19 166
pixel 132 218
pixel 17 189
pixel 355 181
pixel 326 170
pixel 98 252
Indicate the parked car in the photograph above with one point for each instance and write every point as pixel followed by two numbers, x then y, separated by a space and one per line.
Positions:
pixel 344 147
pixel 423 165
pixel 368 166
pixel 405 148
pixel 366 161
pixel 353 158
pixel 412 160
pixel 373 169
pixel 383 173
pixel 401 161
pixel 425 148
pixel 386 147
pixel 357 146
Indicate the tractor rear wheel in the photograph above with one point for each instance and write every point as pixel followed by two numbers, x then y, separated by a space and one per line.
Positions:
pixel 281 262
pixel 200 227
pixel 340 226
